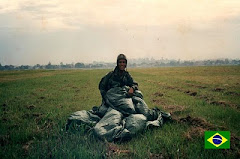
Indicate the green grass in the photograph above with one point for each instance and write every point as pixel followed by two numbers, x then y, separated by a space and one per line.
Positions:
pixel 35 105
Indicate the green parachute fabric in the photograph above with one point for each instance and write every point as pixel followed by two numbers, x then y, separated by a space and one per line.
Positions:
pixel 120 117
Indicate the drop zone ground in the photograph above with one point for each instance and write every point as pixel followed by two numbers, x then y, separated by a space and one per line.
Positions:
pixel 35 104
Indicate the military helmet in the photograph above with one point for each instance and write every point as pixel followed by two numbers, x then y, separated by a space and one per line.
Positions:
pixel 121 57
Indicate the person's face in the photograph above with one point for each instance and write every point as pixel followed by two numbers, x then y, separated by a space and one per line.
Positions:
pixel 122 64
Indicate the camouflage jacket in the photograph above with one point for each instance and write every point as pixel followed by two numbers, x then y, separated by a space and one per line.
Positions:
pixel 114 79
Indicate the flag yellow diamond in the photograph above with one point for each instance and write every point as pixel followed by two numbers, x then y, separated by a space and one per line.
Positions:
pixel 217 140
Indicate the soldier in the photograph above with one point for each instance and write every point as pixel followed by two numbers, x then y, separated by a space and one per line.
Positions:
pixel 118 78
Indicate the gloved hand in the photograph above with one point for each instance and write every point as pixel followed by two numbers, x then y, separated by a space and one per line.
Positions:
pixel 130 92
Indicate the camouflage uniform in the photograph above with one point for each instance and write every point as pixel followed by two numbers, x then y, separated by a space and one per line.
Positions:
pixel 115 79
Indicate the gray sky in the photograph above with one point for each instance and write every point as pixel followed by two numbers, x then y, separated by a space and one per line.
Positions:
pixel 33 31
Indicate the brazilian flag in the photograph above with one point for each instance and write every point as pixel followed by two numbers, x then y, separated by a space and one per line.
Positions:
pixel 217 139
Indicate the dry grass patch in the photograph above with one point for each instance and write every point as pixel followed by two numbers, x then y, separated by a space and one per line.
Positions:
pixel 196 122
pixel 158 94
pixel 173 108
pixel 194 132
pixel 114 151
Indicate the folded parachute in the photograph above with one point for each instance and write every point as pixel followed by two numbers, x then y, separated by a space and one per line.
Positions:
pixel 120 117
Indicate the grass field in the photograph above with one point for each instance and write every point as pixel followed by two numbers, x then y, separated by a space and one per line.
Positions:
pixel 35 105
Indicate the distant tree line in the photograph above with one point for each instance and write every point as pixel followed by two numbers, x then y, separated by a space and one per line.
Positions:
pixel 141 62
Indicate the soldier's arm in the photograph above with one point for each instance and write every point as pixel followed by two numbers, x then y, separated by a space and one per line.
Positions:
pixel 132 83
pixel 103 85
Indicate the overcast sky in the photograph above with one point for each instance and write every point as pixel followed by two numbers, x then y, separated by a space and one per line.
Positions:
pixel 36 32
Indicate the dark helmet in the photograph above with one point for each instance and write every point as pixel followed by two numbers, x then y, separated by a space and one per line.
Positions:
pixel 121 57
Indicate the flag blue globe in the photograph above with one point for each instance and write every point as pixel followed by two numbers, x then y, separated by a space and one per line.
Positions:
pixel 217 139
